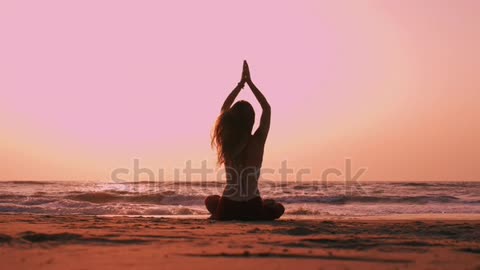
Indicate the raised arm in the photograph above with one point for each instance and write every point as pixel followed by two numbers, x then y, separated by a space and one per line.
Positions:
pixel 233 95
pixel 264 127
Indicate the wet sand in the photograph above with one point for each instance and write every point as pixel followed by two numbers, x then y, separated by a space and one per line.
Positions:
pixel 93 242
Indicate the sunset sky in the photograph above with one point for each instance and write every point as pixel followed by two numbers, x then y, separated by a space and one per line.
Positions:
pixel 88 86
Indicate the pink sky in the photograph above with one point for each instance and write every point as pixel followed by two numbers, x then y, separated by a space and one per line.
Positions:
pixel 87 86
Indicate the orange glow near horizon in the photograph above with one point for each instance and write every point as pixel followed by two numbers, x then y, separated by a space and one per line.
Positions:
pixel 87 87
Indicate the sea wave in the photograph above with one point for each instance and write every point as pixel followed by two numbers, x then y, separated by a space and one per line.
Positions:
pixel 26 182
pixel 344 199
pixel 170 197
pixel 162 198
pixel 68 208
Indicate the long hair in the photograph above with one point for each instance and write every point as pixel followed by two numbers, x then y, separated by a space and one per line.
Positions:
pixel 231 129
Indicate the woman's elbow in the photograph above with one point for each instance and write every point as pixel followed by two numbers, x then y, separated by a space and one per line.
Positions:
pixel 266 107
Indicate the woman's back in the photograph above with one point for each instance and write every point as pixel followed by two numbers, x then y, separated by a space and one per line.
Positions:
pixel 243 172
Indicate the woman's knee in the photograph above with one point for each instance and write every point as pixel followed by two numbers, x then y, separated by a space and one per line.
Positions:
pixel 278 210
pixel 272 210
pixel 269 202
pixel 211 202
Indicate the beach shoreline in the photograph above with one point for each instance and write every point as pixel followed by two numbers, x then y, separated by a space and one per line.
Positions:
pixel 120 242
pixel 393 217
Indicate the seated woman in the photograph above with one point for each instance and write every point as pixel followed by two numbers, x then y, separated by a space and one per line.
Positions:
pixel 242 154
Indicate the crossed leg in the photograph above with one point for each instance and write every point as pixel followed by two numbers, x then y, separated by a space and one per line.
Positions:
pixel 271 210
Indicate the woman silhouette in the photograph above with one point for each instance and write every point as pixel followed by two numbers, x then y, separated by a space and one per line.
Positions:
pixel 242 154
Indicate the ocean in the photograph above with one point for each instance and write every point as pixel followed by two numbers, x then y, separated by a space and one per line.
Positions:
pixel 300 199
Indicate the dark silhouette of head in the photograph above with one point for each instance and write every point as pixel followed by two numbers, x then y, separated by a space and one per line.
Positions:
pixel 232 129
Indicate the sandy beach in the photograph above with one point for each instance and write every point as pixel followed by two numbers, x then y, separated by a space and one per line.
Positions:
pixel 100 242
